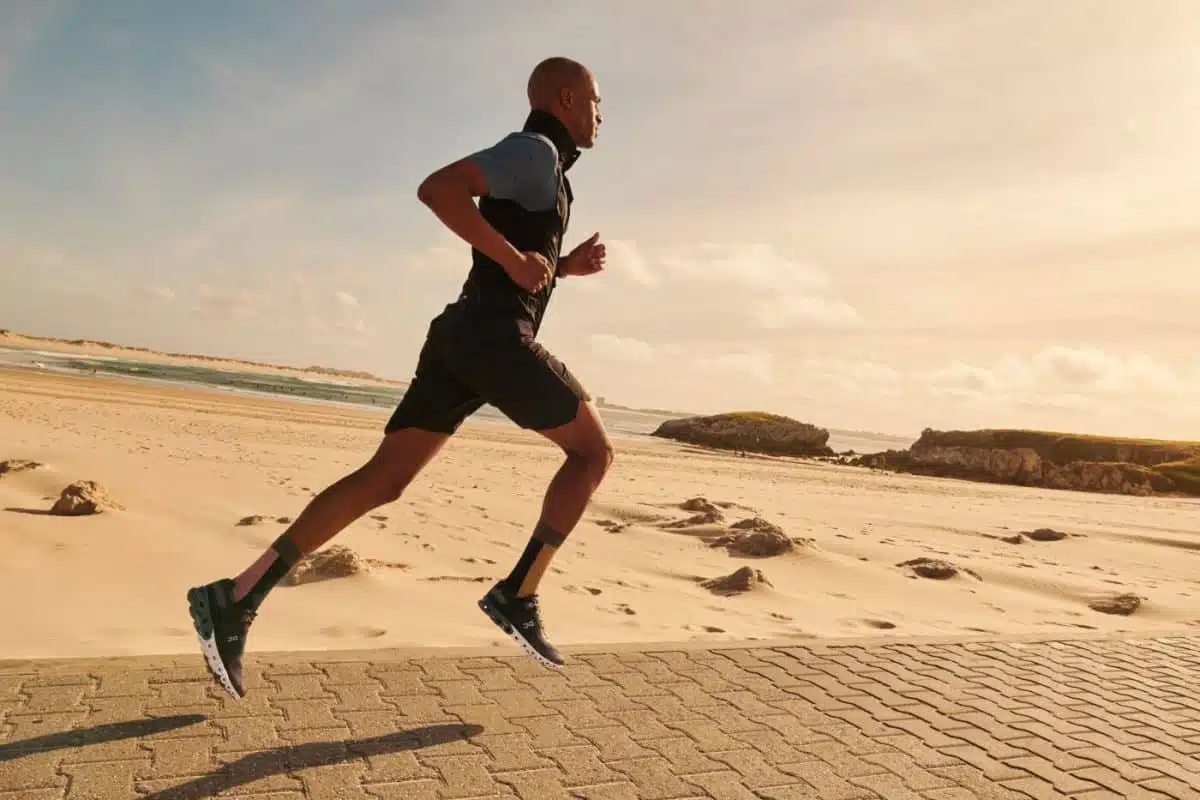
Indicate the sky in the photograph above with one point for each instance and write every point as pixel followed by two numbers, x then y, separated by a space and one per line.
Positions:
pixel 874 214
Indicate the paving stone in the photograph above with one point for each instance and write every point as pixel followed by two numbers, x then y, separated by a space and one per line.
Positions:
pixel 1015 719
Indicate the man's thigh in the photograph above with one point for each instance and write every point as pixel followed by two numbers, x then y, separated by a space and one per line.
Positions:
pixel 436 400
pixel 523 380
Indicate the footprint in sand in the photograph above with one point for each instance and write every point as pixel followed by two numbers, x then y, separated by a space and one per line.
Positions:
pixel 879 624
pixel 462 578
pixel 612 526
pixel 474 560
pixel 381 564
pixel 351 631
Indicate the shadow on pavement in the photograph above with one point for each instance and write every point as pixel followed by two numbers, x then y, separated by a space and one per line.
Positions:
pixel 284 760
pixel 97 734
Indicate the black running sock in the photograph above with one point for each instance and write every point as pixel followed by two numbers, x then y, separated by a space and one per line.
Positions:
pixel 286 555
pixel 525 576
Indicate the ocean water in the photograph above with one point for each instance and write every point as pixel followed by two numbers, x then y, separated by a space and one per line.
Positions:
pixel 619 422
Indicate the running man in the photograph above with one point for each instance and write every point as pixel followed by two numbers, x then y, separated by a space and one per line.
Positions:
pixel 480 349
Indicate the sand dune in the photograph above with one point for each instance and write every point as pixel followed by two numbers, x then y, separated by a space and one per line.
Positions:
pixel 187 466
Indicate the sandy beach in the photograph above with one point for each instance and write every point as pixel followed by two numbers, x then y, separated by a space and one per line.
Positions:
pixel 187 464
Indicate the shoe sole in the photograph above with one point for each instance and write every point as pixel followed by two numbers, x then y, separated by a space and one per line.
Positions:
pixel 205 630
pixel 515 635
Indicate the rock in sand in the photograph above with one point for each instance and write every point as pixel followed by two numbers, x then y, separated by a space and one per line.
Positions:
pixel 1046 535
pixel 84 497
pixel 935 569
pixel 755 538
pixel 16 465
pixel 741 580
pixel 1121 604
pixel 335 561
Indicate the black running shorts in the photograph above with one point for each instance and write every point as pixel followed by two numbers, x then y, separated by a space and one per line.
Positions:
pixel 464 364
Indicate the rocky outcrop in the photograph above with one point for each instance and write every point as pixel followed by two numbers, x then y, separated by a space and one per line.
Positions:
pixel 1050 460
pixel 751 432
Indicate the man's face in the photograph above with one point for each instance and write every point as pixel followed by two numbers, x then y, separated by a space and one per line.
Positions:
pixel 584 112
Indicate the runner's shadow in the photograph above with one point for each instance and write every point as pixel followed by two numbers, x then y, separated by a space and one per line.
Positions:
pixel 284 760
pixel 96 735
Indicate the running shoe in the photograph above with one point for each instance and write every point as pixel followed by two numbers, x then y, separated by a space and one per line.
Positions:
pixel 521 619
pixel 221 623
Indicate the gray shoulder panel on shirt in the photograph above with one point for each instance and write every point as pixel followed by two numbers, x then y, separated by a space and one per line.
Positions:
pixel 522 167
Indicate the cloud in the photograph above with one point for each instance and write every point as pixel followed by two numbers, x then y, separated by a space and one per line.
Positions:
pixel 1091 367
pixel 223 303
pixel 21 30
pixel 753 282
pixel 625 259
pixel 228 218
pixel 958 378
pixel 757 365
pixel 755 266
pixel 1062 375
pixel 797 310
pixel 292 303
pixel 850 376
pixel 156 294
pixel 611 347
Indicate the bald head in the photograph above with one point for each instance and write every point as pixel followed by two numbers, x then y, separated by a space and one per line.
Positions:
pixel 550 77
pixel 567 89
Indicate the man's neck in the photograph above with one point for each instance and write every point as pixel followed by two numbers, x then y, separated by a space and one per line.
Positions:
pixel 547 124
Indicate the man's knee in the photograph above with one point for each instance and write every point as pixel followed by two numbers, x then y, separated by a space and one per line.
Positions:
pixel 400 458
pixel 596 454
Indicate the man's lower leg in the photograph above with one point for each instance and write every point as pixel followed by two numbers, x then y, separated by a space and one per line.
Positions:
pixel 401 455
pixel 325 516
pixel 527 573
pixel 566 499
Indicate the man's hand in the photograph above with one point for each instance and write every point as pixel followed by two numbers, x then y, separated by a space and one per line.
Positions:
pixel 529 270
pixel 586 259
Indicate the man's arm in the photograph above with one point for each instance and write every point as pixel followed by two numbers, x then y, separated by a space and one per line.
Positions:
pixel 515 168
pixel 450 193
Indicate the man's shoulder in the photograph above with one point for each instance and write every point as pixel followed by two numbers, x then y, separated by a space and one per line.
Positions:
pixel 532 145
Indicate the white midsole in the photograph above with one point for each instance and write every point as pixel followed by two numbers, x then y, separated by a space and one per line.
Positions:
pixel 515 635
pixel 213 656
pixel 528 648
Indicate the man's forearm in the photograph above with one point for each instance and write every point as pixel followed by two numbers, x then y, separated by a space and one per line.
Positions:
pixel 457 210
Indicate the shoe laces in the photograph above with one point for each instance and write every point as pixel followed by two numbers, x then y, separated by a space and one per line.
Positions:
pixel 248 615
pixel 531 605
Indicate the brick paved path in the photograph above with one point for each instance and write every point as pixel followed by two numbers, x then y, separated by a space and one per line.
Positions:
pixel 1082 718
